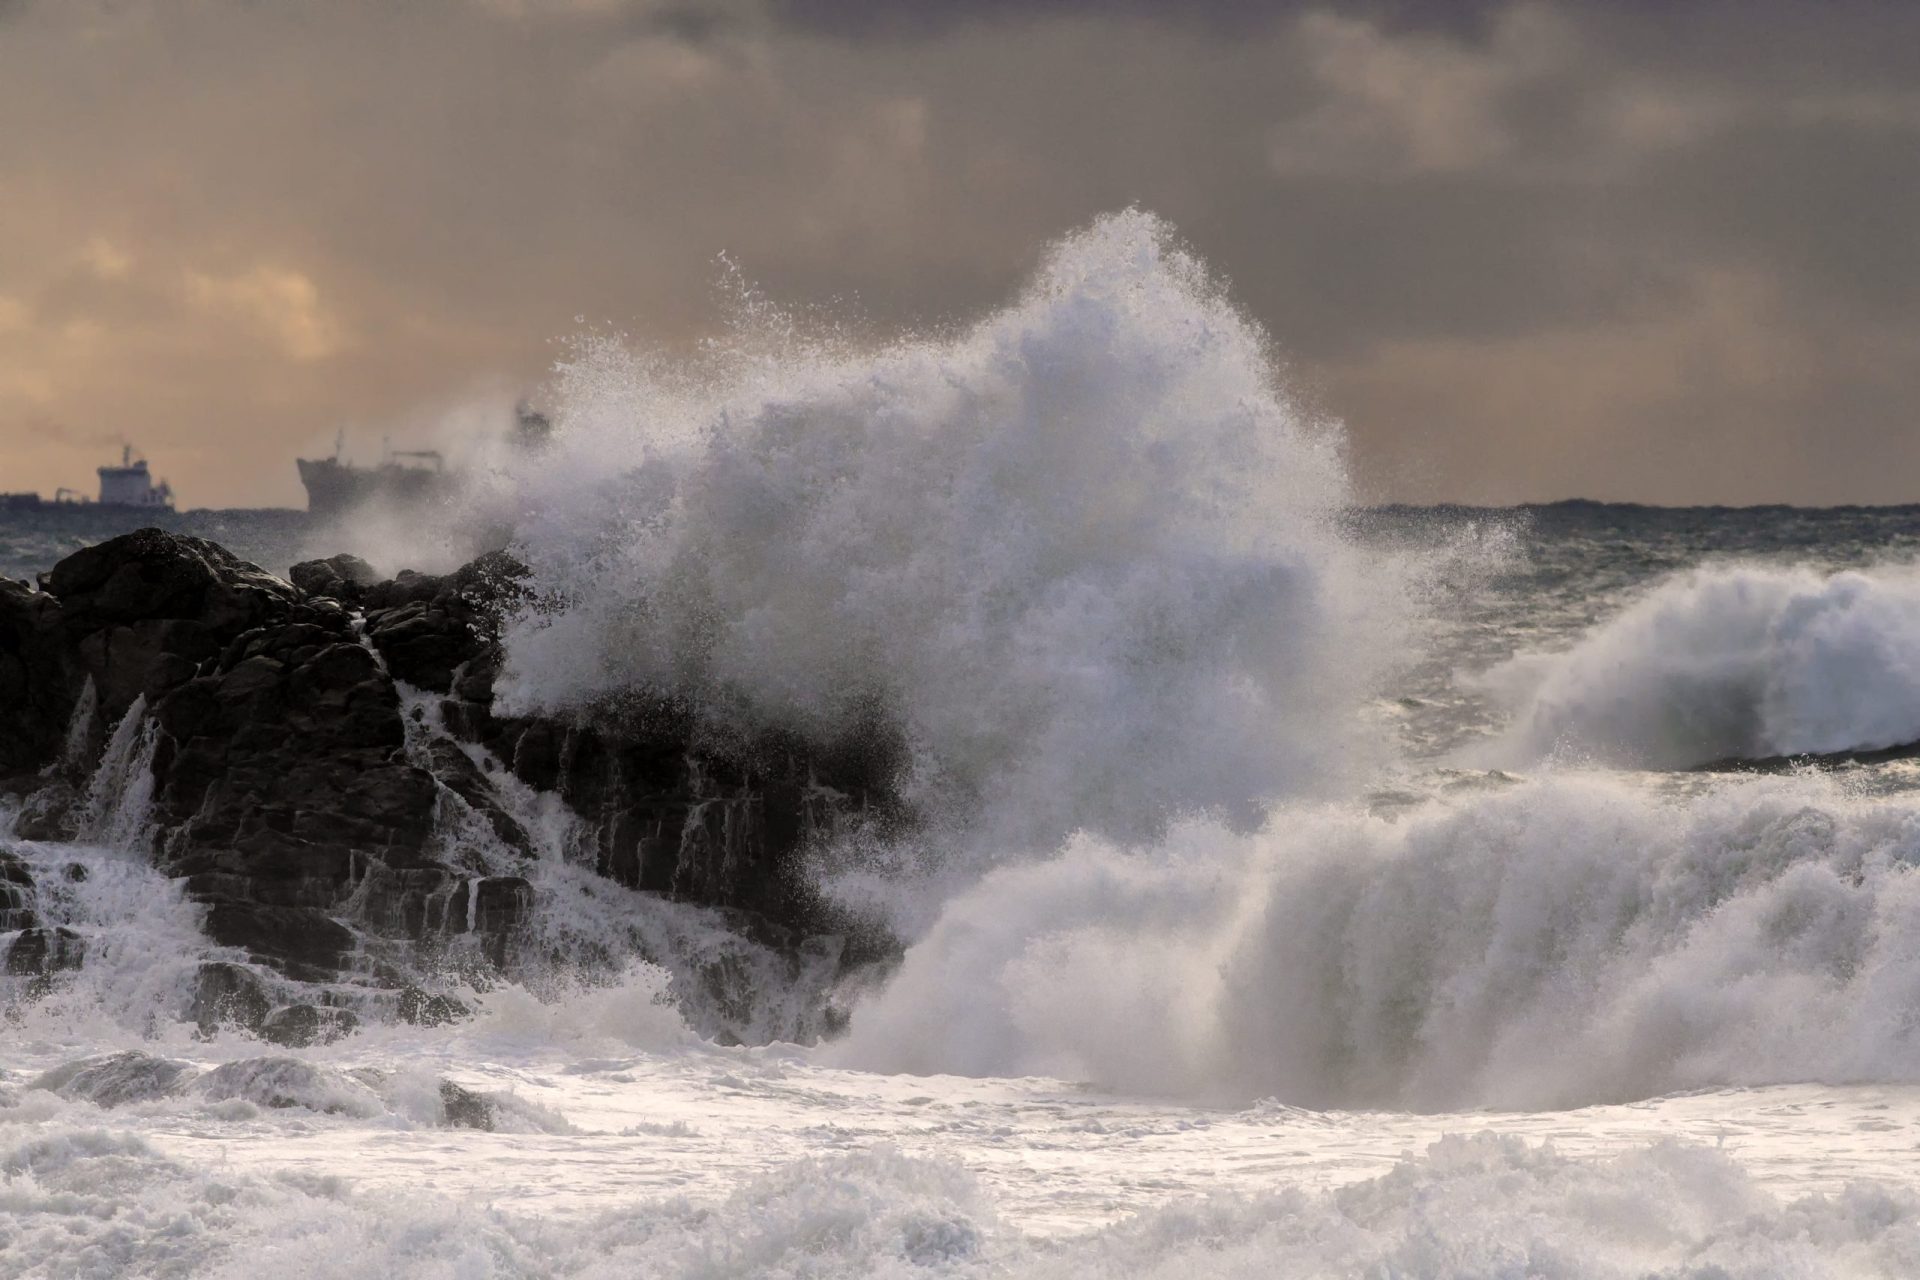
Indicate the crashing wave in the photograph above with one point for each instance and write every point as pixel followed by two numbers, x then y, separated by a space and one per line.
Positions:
pixel 1728 662
pixel 1084 555
pixel 1562 943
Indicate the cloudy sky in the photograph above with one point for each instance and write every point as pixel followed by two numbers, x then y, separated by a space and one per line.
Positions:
pixel 1533 250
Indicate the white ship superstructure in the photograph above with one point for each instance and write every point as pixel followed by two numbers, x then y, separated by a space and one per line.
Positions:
pixel 131 485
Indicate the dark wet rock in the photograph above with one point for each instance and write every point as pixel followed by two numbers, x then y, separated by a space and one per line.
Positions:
pixel 291 801
pixel 298 1025
pixel 40 679
pixel 40 952
pixel 457 772
pixel 429 1009
pixel 430 629
pixel 342 577
pixel 491 904
pixel 301 942
pixel 496 908
pixel 228 995
pixel 408 902
pixel 16 894
pixel 151 574
pixel 50 811
pixel 116 1079
pixel 465 1109
pixel 144 610
pixel 1826 761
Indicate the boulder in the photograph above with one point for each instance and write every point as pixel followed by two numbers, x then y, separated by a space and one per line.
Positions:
pixel 137 615
pixel 343 577
pixel 116 1079
pixel 464 1109
pixel 298 1025
pixel 228 995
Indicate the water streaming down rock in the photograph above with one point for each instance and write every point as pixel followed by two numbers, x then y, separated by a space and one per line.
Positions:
pixel 916 612
pixel 346 853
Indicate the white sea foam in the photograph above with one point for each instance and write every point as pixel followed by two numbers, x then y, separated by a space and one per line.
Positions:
pixel 1565 942
pixel 86 1202
pixel 1743 660
pixel 1086 557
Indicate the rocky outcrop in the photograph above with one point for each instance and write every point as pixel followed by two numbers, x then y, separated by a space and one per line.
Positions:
pixel 311 739
pixel 343 577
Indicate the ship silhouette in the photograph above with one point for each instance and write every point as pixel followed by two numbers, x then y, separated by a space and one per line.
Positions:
pixel 127 487
pixel 403 477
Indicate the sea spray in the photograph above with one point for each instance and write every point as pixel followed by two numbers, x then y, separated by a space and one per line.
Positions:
pixel 141 938
pixel 1083 556
pixel 1572 941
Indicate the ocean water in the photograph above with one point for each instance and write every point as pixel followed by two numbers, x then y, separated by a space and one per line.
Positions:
pixel 1303 888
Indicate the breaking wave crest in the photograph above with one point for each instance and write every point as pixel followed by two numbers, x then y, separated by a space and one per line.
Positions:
pixel 1729 661
pixel 1568 942
pixel 1082 556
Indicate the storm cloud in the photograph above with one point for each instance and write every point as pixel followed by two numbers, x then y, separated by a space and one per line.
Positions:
pixel 1525 251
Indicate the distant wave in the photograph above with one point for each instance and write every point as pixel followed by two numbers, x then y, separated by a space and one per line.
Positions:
pixel 1727 661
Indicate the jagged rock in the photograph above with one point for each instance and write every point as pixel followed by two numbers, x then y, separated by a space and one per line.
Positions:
pixel 465 1109
pixel 39 952
pixel 298 1025
pixel 136 614
pixel 429 628
pixel 498 909
pixel 456 771
pixel 342 577
pixel 287 796
pixel 16 894
pixel 146 608
pixel 152 574
pixel 227 994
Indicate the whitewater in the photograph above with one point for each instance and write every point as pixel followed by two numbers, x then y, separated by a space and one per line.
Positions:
pixel 1293 887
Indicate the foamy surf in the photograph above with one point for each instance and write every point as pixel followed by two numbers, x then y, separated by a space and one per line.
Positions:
pixel 1186 966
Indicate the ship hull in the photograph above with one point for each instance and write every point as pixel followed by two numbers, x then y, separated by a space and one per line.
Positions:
pixel 334 487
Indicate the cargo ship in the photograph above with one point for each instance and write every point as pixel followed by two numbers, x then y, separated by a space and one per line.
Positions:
pixel 406 477
pixel 127 487
pixel 131 485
